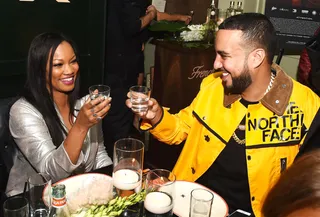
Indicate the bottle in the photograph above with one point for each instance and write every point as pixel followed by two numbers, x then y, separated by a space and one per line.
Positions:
pixel 59 206
pixel 212 12
pixel 231 10
pixel 239 9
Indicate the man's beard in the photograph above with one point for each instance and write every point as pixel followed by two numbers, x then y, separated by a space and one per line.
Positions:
pixel 240 83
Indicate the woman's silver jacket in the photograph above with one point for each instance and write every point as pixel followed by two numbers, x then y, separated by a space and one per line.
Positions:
pixel 32 136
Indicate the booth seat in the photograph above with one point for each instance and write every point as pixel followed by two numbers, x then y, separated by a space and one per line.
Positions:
pixel 7 145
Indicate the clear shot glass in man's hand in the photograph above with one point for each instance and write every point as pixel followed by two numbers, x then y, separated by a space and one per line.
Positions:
pixel 152 112
pixel 139 97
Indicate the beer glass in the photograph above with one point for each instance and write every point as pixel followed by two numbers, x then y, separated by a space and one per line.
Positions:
pixel 159 193
pixel 127 166
pixel 16 206
pixel 39 203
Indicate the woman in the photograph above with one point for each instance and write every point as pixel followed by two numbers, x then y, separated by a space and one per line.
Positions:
pixel 55 132
pixel 297 192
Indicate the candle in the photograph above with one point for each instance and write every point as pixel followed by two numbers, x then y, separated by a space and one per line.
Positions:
pixel 158 202
pixel 126 179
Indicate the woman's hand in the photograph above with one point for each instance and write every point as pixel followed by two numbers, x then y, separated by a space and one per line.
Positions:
pixel 93 111
pixel 154 112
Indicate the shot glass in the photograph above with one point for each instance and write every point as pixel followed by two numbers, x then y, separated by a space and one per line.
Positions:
pixel 200 203
pixel 40 203
pixel 160 193
pixel 98 90
pixel 16 206
pixel 139 96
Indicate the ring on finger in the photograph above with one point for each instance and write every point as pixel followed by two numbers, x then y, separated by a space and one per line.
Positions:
pixel 98 118
pixel 95 115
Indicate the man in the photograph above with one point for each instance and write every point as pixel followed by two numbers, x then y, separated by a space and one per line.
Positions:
pixel 243 128
pixel 127 24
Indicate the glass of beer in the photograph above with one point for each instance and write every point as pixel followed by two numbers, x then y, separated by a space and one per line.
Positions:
pixel 159 193
pixel 127 166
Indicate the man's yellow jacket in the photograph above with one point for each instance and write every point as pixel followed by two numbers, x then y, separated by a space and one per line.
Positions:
pixel 275 128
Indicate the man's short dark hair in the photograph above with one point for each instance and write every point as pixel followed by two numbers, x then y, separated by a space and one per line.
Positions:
pixel 258 32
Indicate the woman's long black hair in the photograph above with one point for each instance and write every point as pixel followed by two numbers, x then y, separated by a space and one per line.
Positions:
pixel 41 52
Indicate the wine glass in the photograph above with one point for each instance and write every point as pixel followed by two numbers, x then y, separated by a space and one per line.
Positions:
pixel 127 166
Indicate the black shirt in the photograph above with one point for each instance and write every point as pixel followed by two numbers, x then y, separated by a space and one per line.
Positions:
pixel 228 175
pixel 124 33
pixel 125 59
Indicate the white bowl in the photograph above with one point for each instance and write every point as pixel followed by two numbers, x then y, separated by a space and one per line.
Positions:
pixel 85 189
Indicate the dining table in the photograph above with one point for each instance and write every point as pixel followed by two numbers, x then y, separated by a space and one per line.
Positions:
pixel 133 211
pixel 136 210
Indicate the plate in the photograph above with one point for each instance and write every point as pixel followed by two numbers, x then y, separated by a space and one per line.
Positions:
pixel 84 189
pixel 182 200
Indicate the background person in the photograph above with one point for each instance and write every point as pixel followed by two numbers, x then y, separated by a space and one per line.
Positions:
pixel 297 192
pixel 126 34
pixel 55 132
pixel 243 128
pixel 307 69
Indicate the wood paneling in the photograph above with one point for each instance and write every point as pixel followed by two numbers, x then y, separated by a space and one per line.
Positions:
pixel 199 8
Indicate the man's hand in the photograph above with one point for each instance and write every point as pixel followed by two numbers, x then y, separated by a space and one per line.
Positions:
pixel 173 17
pixel 152 11
pixel 186 19
pixel 151 14
pixel 154 112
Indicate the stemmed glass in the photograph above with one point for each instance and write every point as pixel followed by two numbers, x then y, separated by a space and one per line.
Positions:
pixel 127 166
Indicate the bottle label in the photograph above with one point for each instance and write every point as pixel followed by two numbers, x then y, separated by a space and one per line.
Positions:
pixel 59 202
pixel 213 13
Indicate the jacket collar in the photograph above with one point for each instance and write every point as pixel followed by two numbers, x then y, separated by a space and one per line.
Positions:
pixel 276 100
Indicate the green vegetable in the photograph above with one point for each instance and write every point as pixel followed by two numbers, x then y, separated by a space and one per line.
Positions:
pixel 168 26
pixel 113 208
